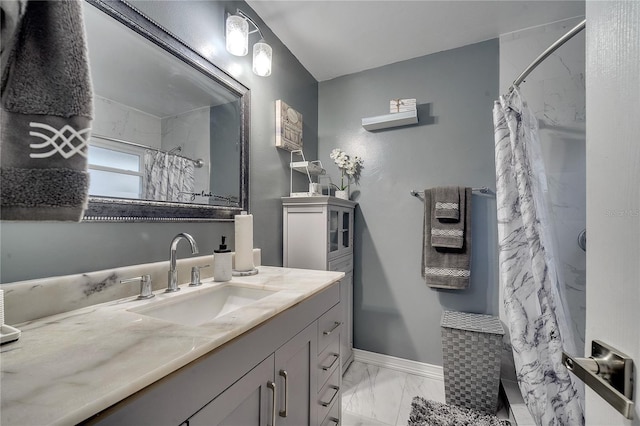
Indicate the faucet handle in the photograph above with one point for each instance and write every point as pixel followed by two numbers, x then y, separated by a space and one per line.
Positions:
pixel 195 275
pixel 145 286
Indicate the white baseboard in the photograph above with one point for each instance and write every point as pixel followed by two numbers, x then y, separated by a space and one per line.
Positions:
pixel 406 366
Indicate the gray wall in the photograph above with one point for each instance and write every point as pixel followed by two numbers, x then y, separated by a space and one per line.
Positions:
pixel 33 250
pixel 395 313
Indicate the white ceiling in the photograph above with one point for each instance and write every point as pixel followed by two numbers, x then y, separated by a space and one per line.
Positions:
pixel 333 38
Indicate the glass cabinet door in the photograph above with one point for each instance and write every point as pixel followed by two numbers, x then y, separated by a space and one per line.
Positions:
pixel 340 232
pixel 346 237
pixel 334 231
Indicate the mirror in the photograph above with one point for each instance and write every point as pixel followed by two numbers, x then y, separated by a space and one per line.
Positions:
pixel 170 131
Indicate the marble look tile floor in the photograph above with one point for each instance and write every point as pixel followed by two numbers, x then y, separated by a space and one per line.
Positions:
pixel 378 396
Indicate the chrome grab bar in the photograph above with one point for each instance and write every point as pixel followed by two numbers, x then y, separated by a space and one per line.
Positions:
pixel 608 372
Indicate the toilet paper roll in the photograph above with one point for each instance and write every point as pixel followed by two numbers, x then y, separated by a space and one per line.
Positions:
pixel 244 242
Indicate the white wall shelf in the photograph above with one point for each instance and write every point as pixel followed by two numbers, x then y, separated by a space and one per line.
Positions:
pixel 390 120
pixel 314 168
pixel 309 168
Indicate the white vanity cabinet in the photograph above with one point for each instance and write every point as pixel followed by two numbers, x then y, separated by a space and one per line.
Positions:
pixel 318 234
pixel 272 370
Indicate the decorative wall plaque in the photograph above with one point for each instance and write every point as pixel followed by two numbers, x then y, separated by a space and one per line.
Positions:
pixel 288 127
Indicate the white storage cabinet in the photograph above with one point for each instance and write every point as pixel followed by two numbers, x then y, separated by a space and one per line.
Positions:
pixel 318 234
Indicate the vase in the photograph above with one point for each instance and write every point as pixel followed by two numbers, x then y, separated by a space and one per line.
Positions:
pixel 342 194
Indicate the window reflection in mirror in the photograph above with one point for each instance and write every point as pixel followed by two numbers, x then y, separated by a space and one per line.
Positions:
pixel 162 130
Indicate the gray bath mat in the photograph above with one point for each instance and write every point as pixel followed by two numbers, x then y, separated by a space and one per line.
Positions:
pixel 432 413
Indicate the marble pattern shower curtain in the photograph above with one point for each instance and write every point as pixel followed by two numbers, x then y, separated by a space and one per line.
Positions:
pixel 532 292
pixel 168 177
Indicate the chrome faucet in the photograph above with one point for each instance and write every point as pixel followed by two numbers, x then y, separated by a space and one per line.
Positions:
pixel 173 273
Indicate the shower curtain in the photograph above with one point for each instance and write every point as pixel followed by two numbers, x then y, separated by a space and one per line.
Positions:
pixel 168 177
pixel 533 295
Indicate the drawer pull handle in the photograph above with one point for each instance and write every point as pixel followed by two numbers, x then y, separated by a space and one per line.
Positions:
pixel 337 389
pixel 334 421
pixel 271 385
pixel 329 367
pixel 285 376
pixel 335 325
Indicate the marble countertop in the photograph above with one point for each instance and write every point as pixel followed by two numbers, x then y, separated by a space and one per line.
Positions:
pixel 67 367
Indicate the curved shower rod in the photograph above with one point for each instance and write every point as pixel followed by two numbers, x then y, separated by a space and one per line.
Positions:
pixel 544 55
pixel 198 162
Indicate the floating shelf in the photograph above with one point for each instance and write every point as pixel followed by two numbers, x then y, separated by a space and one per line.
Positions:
pixel 390 120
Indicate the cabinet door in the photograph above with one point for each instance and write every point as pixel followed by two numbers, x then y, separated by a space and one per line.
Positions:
pixel 305 237
pixel 333 228
pixel 346 236
pixel 340 231
pixel 248 402
pixel 296 378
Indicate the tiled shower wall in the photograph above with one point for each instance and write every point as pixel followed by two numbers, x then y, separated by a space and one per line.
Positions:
pixel 555 91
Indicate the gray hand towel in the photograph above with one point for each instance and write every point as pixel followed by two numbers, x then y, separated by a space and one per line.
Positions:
pixel 46 111
pixel 445 231
pixel 442 267
pixel 447 199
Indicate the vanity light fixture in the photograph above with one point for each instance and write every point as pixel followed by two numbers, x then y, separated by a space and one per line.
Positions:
pixel 262 58
pixel 237 35
pixel 237 42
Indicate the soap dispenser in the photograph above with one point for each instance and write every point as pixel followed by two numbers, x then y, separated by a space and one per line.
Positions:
pixel 222 265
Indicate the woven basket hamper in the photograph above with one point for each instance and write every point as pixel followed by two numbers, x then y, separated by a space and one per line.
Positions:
pixel 471 350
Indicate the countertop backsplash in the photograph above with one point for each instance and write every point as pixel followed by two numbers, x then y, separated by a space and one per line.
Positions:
pixel 33 299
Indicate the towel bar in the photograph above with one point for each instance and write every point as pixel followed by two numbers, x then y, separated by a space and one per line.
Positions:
pixel 482 190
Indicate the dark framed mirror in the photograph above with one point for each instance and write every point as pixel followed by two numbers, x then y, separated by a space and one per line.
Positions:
pixel 170 136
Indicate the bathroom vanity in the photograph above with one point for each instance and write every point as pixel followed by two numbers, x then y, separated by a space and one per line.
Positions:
pixel 128 361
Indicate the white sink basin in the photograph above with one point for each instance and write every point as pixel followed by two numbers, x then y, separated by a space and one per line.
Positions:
pixel 204 305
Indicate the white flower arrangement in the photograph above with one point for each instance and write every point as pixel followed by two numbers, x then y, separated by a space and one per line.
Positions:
pixel 349 165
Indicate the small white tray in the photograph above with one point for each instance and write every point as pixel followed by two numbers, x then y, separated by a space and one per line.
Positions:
pixel 8 334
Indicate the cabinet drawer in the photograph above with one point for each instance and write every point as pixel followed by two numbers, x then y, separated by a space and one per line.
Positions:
pixel 328 360
pixel 329 396
pixel 329 325
pixel 333 418
pixel 343 264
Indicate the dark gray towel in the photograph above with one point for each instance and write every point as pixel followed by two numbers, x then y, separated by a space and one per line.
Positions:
pixel 447 199
pixel 442 267
pixel 445 230
pixel 46 111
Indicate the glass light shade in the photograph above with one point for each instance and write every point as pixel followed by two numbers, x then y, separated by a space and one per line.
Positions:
pixel 237 35
pixel 262 59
